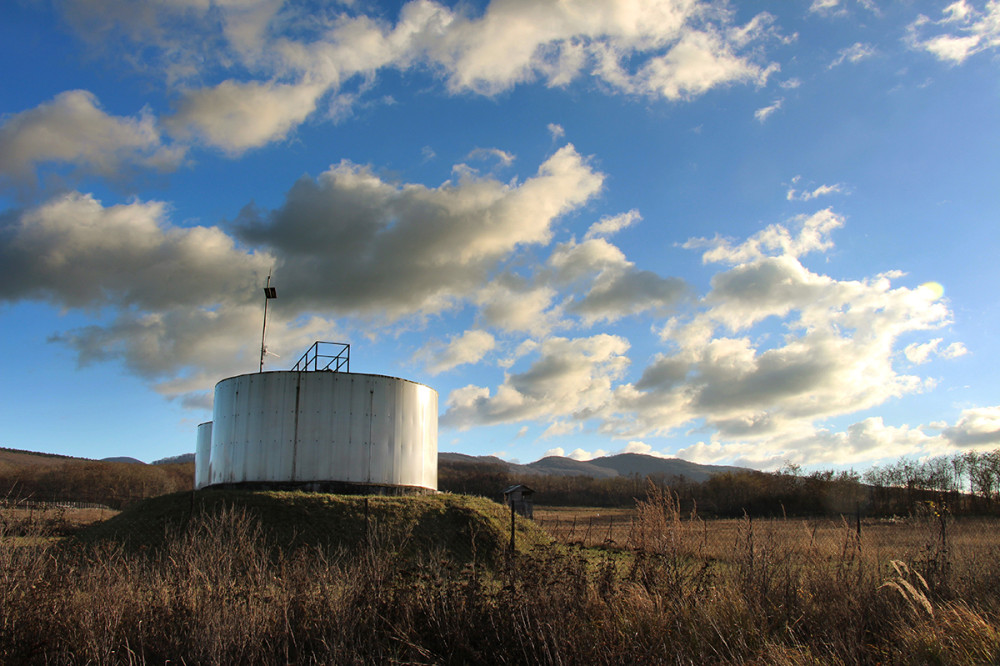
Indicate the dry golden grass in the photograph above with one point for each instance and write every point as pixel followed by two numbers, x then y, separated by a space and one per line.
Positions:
pixel 684 591
pixel 31 524
pixel 968 538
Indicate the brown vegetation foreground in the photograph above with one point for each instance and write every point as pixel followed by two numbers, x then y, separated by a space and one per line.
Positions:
pixel 217 593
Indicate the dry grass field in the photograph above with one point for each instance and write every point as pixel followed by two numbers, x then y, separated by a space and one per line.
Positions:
pixel 66 519
pixel 717 539
pixel 672 589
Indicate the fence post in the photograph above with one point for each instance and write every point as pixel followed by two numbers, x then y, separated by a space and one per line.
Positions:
pixel 944 534
pixel 368 526
pixel 512 529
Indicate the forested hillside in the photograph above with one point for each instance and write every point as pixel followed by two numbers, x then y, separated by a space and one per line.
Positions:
pixel 43 477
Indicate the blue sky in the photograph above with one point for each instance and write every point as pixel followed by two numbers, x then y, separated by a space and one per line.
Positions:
pixel 749 233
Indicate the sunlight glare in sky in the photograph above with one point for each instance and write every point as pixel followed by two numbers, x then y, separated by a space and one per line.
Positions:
pixel 935 288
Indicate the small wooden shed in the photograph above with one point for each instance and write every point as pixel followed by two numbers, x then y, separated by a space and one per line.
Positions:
pixel 518 497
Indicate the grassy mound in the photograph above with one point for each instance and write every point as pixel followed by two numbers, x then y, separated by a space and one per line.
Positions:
pixel 460 526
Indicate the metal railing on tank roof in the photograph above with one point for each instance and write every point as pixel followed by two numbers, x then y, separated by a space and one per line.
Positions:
pixel 329 356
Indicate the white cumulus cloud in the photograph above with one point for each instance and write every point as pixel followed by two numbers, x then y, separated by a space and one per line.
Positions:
pixel 177 298
pixel 237 116
pixel 276 78
pixel 469 347
pixel 398 250
pixel 976 428
pixel 963 31
pixel 833 355
pixel 73 129
pixel 569 377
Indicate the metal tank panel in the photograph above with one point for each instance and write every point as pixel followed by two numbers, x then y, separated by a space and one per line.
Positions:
pixel 304 427
pixel 202 456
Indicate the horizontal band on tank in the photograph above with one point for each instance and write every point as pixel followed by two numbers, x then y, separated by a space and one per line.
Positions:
pixel 333 487
pixel 323 372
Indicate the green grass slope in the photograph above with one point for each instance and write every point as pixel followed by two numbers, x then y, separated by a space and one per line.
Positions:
pixel 460 526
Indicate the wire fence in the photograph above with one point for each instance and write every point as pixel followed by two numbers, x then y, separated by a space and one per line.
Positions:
pixel 39 519
pixel 111 500
pixel 911 537
pixel 51 504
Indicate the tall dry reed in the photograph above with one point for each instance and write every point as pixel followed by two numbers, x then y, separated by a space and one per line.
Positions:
pixel 218 592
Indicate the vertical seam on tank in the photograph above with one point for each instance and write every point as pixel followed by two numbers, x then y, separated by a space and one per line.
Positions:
pixel 295 429
pixel 371 418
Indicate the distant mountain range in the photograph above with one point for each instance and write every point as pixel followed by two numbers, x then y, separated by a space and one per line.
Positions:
pixel 623 464
pixel 172 460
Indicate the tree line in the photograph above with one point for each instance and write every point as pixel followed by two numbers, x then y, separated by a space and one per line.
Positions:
pixel 963 483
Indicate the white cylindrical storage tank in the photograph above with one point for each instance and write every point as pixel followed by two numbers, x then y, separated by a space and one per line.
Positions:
pixel 202 456
pixel 327 430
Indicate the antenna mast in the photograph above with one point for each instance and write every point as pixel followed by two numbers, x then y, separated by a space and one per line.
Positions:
pixel 269 293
